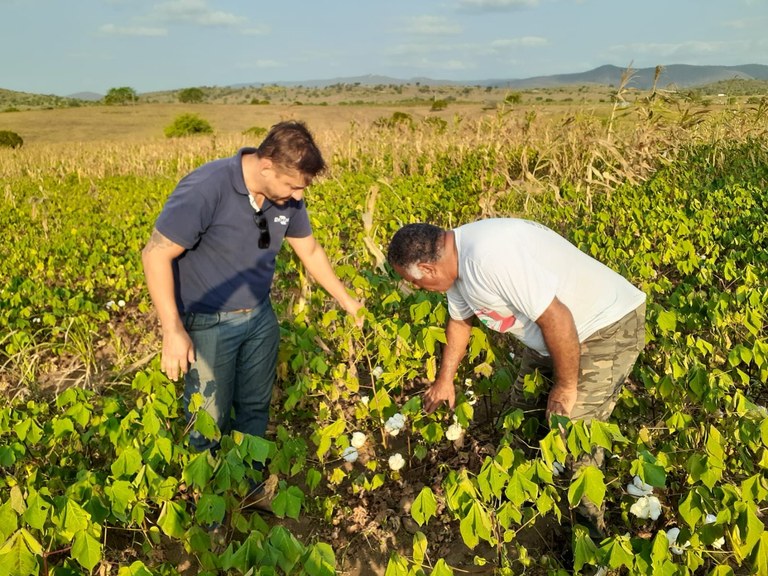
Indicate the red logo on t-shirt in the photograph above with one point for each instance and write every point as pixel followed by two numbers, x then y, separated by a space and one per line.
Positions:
pixel 495 321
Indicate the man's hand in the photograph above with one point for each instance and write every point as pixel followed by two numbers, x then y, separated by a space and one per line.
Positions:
pixel 437 394
pixel 354 310
pixel 178 353
pixel 561 400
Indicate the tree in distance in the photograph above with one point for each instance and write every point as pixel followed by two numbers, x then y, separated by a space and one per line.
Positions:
pixel 122 95
pixel 191 96
pixel 187 125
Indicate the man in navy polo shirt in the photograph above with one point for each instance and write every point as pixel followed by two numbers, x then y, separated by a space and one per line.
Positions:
pixel 209 265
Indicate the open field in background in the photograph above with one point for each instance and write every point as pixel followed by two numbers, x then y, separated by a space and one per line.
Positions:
pixel 95 474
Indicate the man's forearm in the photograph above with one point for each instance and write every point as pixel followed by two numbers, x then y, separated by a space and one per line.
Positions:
pixel 457 333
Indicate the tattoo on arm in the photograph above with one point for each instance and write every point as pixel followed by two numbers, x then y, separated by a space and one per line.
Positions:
pixel 157 240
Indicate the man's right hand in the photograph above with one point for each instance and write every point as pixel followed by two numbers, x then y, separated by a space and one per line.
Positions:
pixel 437 394
pixel 178 353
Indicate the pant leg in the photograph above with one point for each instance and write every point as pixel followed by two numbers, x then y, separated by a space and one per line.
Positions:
pixel 255 372
pixel 217 338
pixel 607 358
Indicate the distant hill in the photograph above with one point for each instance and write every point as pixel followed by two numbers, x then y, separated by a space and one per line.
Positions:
pixel 87 96
pixel 677 75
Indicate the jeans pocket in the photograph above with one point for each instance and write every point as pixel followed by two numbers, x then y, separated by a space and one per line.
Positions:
pixel 195 321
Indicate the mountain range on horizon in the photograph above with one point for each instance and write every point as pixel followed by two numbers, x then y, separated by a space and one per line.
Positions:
pixel 672 76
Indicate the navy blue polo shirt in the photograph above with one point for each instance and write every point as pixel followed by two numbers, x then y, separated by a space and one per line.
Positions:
pixel 209 214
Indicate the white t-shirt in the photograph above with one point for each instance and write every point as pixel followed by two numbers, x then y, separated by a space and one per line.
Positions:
pixel 510 271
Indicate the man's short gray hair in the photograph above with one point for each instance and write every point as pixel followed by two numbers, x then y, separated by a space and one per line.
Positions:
pixel 415 244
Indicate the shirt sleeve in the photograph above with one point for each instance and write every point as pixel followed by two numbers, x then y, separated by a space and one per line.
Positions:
pixel 187 213
pixel 458 308
pixel 299 226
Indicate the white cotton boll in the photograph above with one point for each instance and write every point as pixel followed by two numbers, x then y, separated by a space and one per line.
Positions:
pixel 646 488
pixel 672 535
pixel 468 382
pixel 121 303
pixel 655 507
pixel 358 440
pixel 557 468
pixel 646 507
pixel 454 432
pixel 710 519
pixel 365 400
pixel 110 304
pixel 635 491
pixel 471 398
pixel 719 543
pixel 394 424
pixel 350 454
pixel 377 372
pixel 396 462
pixel 601 571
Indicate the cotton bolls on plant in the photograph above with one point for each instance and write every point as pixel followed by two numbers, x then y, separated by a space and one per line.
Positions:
pixel 394 424
pixel 350 454
pixel 647 507
pixel 396 462
pixel 358 440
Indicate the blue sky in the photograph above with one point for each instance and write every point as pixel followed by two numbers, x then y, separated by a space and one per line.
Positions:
pixel 67 46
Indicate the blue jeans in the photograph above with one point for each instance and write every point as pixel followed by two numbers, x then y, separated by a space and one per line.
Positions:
pixel 234 369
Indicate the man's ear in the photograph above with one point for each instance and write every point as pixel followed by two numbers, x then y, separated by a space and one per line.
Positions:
pixel 427 268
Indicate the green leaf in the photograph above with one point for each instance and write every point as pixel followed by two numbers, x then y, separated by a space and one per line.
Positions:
pixel 172 519
pixel 127 464
pixel 210 509
pixel 589 482
pixel 759 557
pixel 136 569
pixel 691 510
pixel 288 503
pixel 475 526
pixel 72 519
pixel 419 548
pixel 86 550
pixel 206 425
pixel 617 552
pixel 424 506
pixel 287 547
pixel 16 559
pixel 584 550
pixel 320 561
pixel 667 321
pixel 396 566
pixel 37 510
pixel 199 470
pixel 121 495
pixel 442 569
pixel 9 520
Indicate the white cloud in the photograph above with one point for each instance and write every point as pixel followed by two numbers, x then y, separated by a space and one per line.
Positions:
pixel 431 26
pixel 523 41
pixel 196 12
pixel 496 5
pixel 112 30
pixel 256 31
pixel 680 49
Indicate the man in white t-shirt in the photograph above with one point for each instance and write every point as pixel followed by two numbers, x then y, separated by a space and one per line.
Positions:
pixel 521 278
pixel 580 321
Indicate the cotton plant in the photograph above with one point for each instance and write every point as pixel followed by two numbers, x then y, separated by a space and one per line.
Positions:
pixel 647 505
pixel 358 440
pixel 396 462
pixel 350 454
pixel 674 547
pixel 394 424
pixel 455 430
pixel 720 542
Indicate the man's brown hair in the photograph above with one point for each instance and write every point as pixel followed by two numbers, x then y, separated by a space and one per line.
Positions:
pixel 290 145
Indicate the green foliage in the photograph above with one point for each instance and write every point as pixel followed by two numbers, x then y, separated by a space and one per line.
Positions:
pixel 9 139
pixel 690 423
pixel 187 125
pixel 256 132
pixel 121 96
pixel 397 119
pixel 438 104
pixel 191 96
